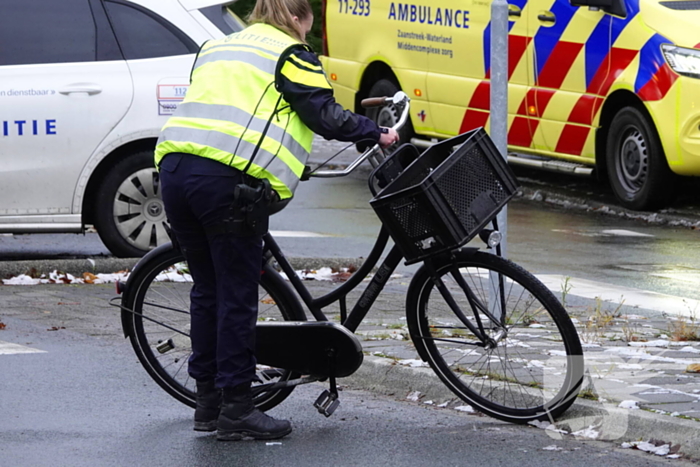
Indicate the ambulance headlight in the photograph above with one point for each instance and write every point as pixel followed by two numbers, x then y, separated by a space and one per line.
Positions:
pixel 683 61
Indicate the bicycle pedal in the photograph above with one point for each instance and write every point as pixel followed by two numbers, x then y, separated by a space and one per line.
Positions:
pixel 326 403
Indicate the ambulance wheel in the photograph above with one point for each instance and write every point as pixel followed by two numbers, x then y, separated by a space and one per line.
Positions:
pixel 389 115
pixel 129 215
pixel 636 163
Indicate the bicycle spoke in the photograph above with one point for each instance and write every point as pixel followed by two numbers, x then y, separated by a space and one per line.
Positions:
pixel 512 372
pixel 160 327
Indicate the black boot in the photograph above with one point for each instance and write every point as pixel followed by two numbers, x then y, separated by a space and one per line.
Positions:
pixel 239 418
pixel 206 413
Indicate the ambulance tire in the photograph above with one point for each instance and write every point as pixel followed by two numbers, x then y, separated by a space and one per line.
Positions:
pixel 637 169
pixel 129 214
pixel 389 115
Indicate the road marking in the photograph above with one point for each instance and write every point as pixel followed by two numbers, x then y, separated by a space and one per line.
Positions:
pixel 616 294
pixel 604 233
pixel 625 233
pixel 8 348
pixel 296 233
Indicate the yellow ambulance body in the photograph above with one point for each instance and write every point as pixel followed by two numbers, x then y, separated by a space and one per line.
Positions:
pixel 610 84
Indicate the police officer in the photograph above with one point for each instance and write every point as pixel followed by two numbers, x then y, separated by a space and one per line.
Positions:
pixel 237 126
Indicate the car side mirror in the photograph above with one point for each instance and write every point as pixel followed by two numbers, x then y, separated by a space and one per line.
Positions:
pixel 614 7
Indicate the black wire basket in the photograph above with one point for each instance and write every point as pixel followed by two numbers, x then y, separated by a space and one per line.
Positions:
pixel 439 200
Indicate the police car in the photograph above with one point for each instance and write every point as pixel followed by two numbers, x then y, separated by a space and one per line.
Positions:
pixel 607 84
pixel 85 87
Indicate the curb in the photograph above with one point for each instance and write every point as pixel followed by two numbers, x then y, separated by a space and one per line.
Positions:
pixel 539 195
pixel 614 424
pixel 106 265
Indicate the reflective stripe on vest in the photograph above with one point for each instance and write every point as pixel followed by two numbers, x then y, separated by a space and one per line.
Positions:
pixel 229 104
pixel 243 118
pixel 267 65
pixel 227 144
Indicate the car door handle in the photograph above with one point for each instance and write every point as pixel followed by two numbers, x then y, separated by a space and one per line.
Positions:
pixel 547 17
pixel 514 10
pixel 83 88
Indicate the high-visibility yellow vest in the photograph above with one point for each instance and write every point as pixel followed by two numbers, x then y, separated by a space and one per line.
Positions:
pixel 229 103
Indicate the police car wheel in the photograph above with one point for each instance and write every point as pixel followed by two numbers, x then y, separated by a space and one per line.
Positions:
pixel 636 163
pixel 389 115
pixel 130 217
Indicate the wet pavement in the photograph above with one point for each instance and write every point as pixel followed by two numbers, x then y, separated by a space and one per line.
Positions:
pixel 637 361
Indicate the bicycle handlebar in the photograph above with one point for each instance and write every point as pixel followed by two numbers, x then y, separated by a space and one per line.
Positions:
pixel 398 99
pixel 373 102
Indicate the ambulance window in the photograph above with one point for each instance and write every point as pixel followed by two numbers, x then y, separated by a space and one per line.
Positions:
pixel 35 31
pixel 142 34
pixel 223 18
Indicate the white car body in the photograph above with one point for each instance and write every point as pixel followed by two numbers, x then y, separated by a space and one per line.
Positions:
pixel 64 126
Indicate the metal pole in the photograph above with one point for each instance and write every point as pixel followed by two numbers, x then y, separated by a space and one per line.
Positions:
pixel 499 93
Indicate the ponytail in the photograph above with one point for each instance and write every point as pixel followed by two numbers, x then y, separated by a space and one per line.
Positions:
pixel 280 14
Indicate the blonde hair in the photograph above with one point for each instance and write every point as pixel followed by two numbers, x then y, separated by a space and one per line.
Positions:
pixel 280 14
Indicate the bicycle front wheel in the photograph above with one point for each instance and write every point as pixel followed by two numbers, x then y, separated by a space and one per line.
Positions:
pixel 159 325
pixel 504 344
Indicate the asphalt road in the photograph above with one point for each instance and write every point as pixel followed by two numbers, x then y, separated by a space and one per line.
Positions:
pixel 84 401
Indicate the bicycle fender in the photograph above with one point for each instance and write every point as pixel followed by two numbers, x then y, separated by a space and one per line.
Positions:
pixel 286 290
pixel 413 294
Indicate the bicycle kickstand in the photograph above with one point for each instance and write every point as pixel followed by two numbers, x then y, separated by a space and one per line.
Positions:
pixel 328 401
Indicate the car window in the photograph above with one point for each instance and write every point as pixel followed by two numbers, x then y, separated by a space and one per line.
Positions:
pixel 142 34
pixel 37 31
pixel 223 18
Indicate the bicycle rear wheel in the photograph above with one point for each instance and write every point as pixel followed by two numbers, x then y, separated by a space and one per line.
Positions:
pixel 158 328
pixel 532 368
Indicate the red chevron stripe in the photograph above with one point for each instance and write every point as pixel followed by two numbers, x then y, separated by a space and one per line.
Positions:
pixel 523 128
pixel 585 109
pixel 614 64
pixel 572 140
pixel 540 100
pixel 558 64
pixel 517 45
pixel 481 99
pixel 473 119
pixel 659 84
pixel 520 133
pixel 697 46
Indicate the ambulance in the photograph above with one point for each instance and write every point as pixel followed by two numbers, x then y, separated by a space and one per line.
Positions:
pixel 611 86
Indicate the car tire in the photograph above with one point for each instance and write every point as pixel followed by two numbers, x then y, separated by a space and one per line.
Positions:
pixel 388 115
pixel 637 169
pixel 129 214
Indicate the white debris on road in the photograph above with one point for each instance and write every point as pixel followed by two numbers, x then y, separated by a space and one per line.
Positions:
pixel 628 405
pixel 64 278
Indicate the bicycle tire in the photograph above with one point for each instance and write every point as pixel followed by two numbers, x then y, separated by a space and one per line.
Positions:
pixel 511 381
pixel 160 290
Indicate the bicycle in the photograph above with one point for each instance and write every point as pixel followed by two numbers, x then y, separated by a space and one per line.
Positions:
pixel 469 313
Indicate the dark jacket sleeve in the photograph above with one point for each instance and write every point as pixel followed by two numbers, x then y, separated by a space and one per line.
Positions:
pixel 305 87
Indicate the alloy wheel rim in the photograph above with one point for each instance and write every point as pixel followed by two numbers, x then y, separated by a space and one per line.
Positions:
pixel 139 213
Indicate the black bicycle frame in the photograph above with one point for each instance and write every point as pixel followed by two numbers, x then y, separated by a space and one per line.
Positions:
pixel 376 285
pixel 365 302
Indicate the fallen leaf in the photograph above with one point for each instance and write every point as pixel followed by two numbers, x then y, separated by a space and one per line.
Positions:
pixel 693 368
pixel 2 325
pixel 268 301
pixel 89 278
pixel 341 276
pixel 33 273
pixel 56 328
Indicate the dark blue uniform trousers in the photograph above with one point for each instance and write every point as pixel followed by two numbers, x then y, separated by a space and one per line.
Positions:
pixel 197 193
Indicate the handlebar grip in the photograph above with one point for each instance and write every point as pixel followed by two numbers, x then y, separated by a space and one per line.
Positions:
pixel 373 102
